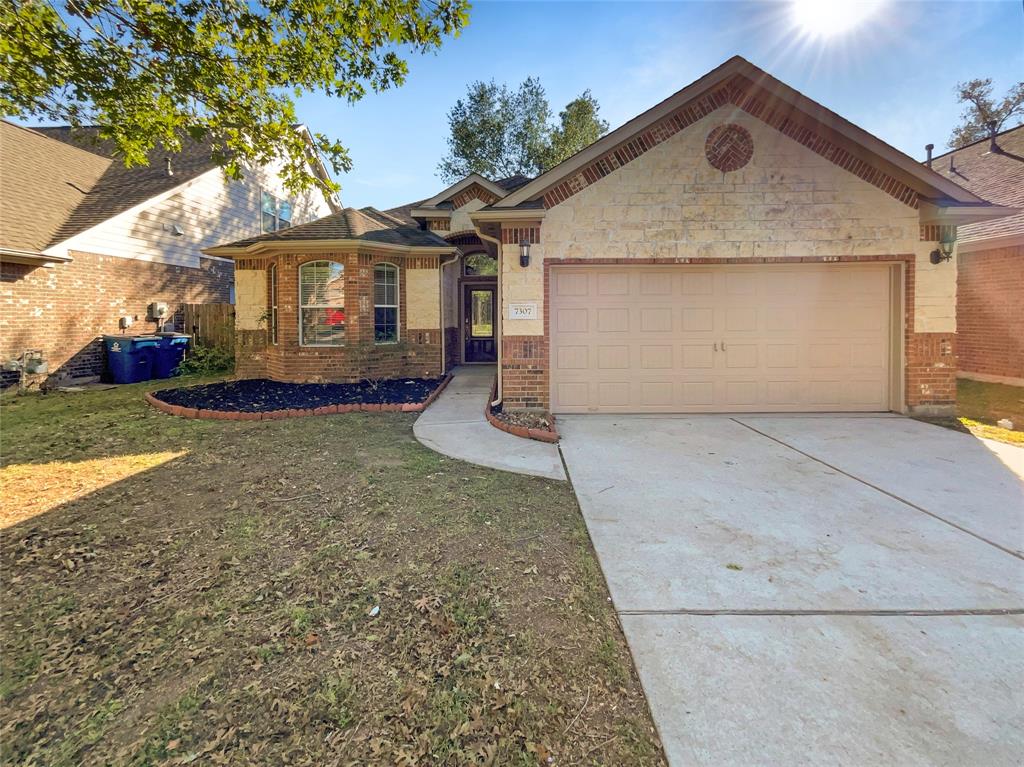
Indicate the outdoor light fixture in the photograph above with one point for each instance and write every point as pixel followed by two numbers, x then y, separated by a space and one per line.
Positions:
pixel 945 250
pixel 524 253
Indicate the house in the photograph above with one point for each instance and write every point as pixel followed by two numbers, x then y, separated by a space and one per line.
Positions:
pixel 737 247
pixel 87 244
pixel 990 256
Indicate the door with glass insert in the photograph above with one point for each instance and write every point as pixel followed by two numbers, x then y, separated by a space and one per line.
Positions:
pixel 479 324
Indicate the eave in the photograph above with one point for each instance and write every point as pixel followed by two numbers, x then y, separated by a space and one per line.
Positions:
pixel 32 257
pixel 324 246
pixel 951 213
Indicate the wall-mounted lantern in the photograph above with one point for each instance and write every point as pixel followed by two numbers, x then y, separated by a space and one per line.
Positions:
pixel 524 253
pixel 945 250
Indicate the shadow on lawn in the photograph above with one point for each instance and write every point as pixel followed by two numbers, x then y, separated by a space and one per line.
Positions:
pixel 319 590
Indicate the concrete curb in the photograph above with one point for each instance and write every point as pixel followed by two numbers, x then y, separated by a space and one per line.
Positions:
pixel 541 435
pixel 273 415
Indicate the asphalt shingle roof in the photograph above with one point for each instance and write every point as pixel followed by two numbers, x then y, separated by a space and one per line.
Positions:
pixel 509 184
pixel 996 176
pixel 369 225
pixel 56 182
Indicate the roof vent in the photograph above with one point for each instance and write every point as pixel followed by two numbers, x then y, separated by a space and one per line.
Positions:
pixel 167 166
pixel 928 148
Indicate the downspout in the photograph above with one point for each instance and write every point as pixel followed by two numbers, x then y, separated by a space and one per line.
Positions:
pixel 501 301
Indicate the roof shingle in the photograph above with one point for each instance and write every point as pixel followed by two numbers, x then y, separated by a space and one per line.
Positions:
pixel 996 176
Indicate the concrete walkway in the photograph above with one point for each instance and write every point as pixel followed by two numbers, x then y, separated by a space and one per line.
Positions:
pixel 455 426
pixel 813 590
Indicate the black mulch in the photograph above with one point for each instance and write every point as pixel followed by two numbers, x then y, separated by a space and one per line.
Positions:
pixel 259 395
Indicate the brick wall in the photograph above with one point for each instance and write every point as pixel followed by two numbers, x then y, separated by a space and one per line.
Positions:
pixel 65 309
pixel 990 313
pixel 524 372
pixel 417 354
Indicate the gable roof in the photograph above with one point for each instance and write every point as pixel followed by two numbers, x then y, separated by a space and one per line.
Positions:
pixel 747 87
pixel 42 183
pixel 367 226
pixel 995 175
pixel 57 182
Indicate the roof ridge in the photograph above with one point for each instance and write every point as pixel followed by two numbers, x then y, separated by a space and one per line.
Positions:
pixel 975 143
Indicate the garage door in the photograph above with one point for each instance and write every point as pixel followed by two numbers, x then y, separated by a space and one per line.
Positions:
pixel 720 339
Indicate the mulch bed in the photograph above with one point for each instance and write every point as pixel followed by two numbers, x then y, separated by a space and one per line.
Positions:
pixel 259 395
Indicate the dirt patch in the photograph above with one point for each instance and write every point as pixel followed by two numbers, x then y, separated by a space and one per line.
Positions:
pixel 260 395
pixel 528 420
pixel 318 591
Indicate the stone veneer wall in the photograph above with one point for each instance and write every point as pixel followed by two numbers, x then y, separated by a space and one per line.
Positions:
pixel 418 353
pixel 668 205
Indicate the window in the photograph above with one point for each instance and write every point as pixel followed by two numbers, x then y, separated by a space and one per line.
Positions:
pixel 385 304
pixel 479 265
pixel 272 302
pixel 481 313
pixel 275 213
pixel 322 304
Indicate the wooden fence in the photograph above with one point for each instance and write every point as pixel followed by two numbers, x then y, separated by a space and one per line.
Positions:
pixel 210 324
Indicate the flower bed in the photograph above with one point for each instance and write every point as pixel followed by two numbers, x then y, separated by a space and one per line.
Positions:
pixel 261 399
pixel 538 426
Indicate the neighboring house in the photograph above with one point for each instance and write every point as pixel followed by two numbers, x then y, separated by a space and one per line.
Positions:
pixel 990 255
pixel 735 248
pixel 87 244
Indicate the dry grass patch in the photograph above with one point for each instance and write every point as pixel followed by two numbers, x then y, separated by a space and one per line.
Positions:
pixel 319 591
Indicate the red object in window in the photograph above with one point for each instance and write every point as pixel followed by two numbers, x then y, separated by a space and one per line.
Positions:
pixel 335 317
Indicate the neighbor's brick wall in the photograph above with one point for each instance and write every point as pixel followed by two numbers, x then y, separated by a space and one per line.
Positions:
pixel 990 312
pixel 417 354
pixel 65 309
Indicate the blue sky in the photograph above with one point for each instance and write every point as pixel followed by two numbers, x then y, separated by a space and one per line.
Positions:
pixel 893 74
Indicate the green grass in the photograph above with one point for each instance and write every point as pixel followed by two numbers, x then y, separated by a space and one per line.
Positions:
pixel 183 591
pixel 980 405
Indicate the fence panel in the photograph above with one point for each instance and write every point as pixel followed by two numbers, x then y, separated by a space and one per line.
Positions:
pixel 210 324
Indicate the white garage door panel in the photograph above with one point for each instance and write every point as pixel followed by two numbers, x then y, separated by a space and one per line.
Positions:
pixel 720 339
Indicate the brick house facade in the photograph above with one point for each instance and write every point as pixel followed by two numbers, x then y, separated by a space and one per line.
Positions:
pixel 735 186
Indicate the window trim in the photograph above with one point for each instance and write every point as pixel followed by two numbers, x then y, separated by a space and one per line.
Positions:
pixel 272 302
pixel 276 212
pixel 397 306
pixel 302 307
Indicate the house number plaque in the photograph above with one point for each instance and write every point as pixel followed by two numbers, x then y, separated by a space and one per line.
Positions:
pixel 522 311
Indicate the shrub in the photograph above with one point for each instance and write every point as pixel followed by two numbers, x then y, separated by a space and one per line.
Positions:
pixel 206 361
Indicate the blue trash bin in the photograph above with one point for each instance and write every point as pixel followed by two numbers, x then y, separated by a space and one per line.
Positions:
pixel 130 358
pixel 170 353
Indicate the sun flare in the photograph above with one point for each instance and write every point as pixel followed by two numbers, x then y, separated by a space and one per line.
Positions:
pixel 831 18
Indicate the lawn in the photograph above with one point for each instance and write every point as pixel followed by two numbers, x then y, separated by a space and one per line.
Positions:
pixel 311 591
pixel 980 405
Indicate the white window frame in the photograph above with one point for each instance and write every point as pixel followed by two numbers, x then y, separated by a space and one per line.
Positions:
pixel 303 307
pixel 397 306
pixel 272 302
pixel 277 211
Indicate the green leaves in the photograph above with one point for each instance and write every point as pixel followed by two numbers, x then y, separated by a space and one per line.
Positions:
pixel 498 132
pixel 983 116
pixel 222 71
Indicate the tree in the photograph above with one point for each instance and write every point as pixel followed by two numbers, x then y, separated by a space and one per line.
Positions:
pixel 498 132
pixel 579 127
pixel 224 72
pixel 983 117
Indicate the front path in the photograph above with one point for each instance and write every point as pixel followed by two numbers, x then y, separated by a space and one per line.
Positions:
pixel 454 425
pixel 813 590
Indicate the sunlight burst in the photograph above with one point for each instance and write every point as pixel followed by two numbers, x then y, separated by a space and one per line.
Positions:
pixel 831 18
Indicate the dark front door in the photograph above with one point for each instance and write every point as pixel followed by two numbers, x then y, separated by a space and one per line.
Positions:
pixel 478 324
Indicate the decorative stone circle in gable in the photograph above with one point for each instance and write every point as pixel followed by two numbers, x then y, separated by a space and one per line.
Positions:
pixel 729 147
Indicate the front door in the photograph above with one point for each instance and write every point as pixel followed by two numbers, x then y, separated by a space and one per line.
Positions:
pixel 478 324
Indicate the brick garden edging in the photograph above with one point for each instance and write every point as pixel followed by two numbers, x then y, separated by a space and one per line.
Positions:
pixel 273 415
pixel 541 435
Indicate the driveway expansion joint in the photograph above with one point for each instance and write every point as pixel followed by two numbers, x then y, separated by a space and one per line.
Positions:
pixel 882 490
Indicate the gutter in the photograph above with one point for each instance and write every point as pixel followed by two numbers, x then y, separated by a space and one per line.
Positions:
pixel 444 340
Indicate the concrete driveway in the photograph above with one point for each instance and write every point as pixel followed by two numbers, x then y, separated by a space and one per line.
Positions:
pixel 813 589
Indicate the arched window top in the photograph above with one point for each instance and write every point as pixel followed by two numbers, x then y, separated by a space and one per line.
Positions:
pixel 479 265
pixel 322 303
